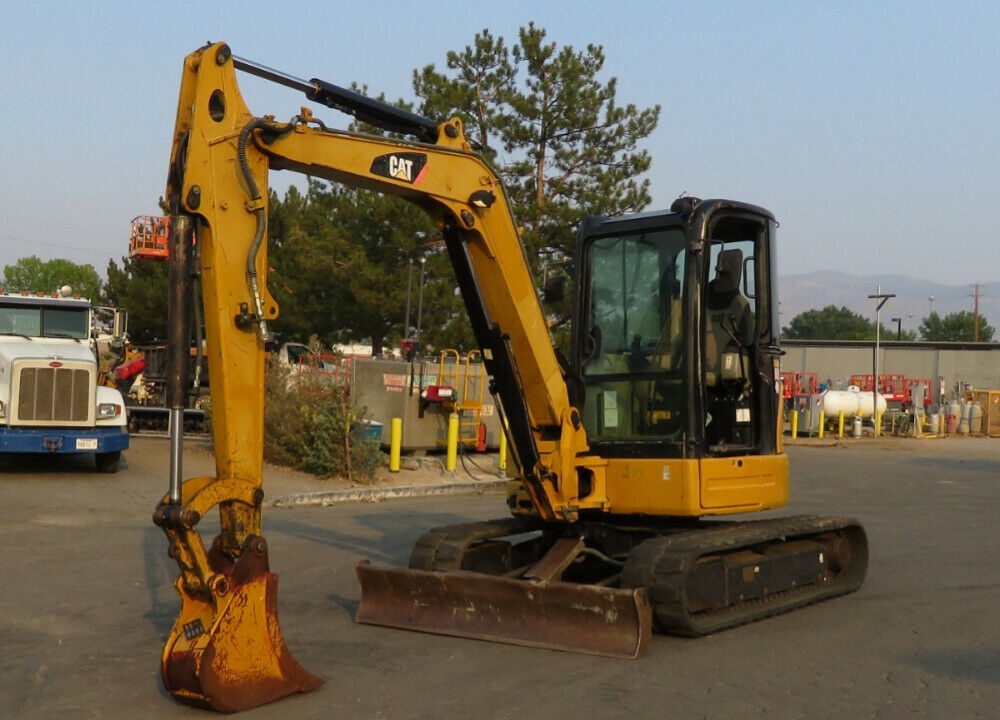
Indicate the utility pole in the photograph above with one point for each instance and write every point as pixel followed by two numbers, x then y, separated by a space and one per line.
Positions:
pixel 409 291
pixel 975 312
pixel 415 348
pixel 420 302
pixel 880 299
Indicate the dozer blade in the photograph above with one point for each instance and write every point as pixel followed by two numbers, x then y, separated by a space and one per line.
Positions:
pixel 228 654
pixel 552 614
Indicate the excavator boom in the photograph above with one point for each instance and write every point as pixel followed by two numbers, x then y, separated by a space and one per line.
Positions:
pixel 217 195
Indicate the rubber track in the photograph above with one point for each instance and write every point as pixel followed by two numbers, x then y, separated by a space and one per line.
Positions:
pixel 662 564
pixel 443 548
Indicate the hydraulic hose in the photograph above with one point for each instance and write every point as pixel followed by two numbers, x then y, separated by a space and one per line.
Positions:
pixel 260 215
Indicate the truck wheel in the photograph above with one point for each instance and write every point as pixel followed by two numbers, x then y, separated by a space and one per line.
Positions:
pixel 108 462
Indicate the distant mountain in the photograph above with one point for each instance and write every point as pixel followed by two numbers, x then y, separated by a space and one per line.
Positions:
pixel 816 290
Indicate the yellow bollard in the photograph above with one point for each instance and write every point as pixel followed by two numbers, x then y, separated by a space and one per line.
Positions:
pixel 822 423
pixel 395 443
pixel 451 459
pixel 840 424
pixel 795 424
pixel 502 451
pixel 878 424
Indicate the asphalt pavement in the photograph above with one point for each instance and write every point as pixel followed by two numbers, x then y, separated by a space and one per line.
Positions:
pixel 87 601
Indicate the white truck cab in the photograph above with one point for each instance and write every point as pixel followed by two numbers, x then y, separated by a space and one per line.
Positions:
pixel 50 398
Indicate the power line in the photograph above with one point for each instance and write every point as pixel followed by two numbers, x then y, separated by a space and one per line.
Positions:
pixel 90 251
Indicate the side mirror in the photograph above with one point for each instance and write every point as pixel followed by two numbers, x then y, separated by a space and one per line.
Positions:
pixel 120 326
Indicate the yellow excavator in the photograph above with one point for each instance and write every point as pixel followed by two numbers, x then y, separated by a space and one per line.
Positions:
pixel 631 455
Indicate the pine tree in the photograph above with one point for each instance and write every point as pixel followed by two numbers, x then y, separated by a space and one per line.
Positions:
pixel 559 140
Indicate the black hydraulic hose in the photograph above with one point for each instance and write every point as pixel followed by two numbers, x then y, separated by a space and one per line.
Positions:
pixel 260 215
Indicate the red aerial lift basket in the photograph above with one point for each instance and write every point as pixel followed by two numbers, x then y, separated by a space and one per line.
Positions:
pixel 149 238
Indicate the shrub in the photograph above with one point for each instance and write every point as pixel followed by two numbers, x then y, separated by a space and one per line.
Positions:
pixel 311 424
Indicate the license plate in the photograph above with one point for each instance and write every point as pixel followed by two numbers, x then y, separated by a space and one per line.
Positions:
pixel 86 443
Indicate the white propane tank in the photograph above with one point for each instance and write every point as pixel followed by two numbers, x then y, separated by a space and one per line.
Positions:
pixel 851 401
pixel 835 402
pixel 866 404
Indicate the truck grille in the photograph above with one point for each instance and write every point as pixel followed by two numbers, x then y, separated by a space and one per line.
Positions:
pixel 48 394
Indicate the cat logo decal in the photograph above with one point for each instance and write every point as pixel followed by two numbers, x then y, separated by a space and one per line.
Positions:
pixel 408 167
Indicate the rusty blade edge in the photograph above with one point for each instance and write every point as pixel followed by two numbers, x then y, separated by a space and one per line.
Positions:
pixel 552 615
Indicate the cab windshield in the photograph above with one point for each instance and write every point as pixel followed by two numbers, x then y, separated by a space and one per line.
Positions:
pixel 35 321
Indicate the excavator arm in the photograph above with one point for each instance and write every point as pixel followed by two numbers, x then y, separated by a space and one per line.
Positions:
pixel 220 654
pixel 219 176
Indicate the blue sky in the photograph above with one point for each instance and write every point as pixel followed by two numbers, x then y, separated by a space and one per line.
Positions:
pixel 869 128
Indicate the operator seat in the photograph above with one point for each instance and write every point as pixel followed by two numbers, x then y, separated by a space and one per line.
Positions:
pixel 727 333
pixel 727 321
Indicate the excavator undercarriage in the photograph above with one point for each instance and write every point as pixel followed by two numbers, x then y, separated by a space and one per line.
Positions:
pixel 599 587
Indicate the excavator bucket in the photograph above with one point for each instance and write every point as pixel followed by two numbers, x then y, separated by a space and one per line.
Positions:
pixel 549 614
pixel 227 654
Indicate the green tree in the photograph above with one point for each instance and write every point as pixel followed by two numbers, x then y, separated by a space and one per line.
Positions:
pixel 140 286
pixel 303 274
pixel 956 327
pixel 475 87
pixel 830 323
pixel 562 144
pixel 341 256
pixel 341 259
pixel 36 275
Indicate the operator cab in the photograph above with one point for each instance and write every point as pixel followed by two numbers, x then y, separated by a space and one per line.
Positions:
pixel 675 332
